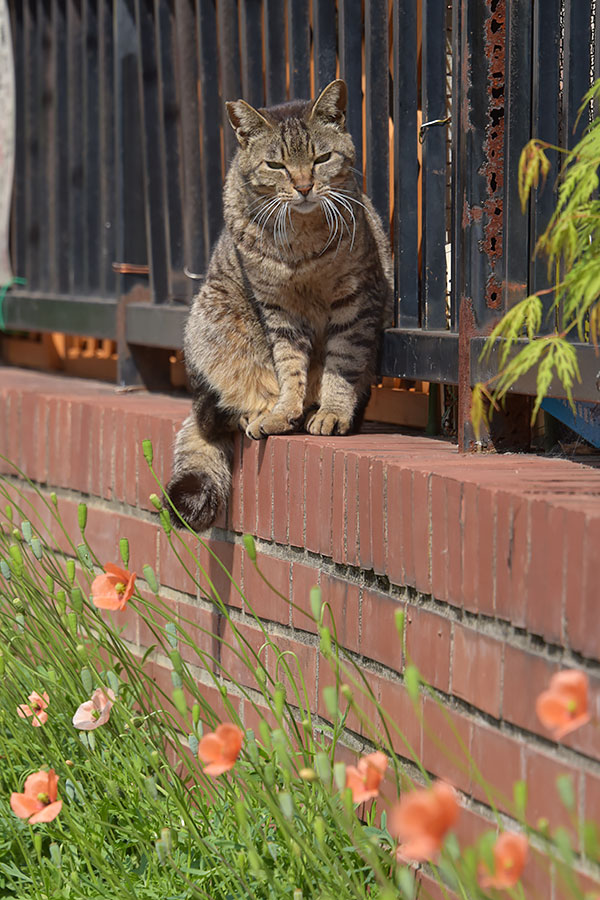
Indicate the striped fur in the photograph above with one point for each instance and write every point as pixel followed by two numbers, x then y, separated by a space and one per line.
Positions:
pixel 284 332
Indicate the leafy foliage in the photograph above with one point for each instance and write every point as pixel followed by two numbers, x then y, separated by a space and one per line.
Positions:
pixel 571 243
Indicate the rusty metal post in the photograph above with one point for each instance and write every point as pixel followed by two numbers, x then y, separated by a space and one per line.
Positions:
pixel 492 47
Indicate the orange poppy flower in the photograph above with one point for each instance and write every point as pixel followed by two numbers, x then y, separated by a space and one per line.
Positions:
pixel 422 819
pixel 564 706
pixel 365 778
pixel 510 856
pixel 220 749
pixel 38 704
pixel 38 801
pixel 94 712
pixel 113 589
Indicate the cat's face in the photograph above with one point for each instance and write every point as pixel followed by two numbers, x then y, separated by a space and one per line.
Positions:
pixel 297 153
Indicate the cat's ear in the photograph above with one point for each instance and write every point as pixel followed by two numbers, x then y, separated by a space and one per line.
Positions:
pixel 330 105
pixel 245 120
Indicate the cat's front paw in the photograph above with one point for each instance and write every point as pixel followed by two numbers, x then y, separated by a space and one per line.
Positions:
pixel 271 423
pixel 326 421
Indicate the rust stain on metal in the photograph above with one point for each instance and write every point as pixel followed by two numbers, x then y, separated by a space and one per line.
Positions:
pixel 493 146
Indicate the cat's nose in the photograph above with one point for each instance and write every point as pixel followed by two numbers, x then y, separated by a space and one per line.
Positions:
pixel 303 189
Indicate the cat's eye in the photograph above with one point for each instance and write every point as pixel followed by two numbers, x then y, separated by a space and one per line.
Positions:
pixel 274 165
pixel 323 158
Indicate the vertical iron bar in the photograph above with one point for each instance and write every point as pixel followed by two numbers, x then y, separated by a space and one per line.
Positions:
pixel 59 223
pixel 545 126
pixel 229 65
pixel 406 254
pixel 18 225
pixel 44 138
pixel 377 106
pixel 516 109
pixel 211 116
pixel 433 243
pixel 195 236
pixel 298 36
pixel 150 132
pixel 75 101
pixel 251 52
pixel 170 137
pixel 324 43
pixel 32 167
pixel 91 172
pixel 274 31
pixel 106 139
pixel 130 234
pixel 577 64
pixel 350 51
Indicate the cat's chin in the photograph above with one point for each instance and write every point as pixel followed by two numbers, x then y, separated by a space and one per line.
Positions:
pixel 307 206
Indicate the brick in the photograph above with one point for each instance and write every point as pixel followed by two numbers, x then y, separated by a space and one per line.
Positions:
pixel 454 526
pixel 302 661
pixel 303 579
pixel 344 599
pixel 404 719
pixel 428 645
pixel 477 669
pixel 543 800
pixel 446 744
pixel 498 763
pixel 338 531
pixel 200 646
pixel 584 638
pixel 236 495
pixel 96 448
pixel 352 503
pixel 313 500
pixel 421 518
pixel 250 459
pixel 378 505
pixel 218 561
pixel 264 518
pixel 280 489
pixel 153 616
pixel 519 562
pixel 470 549
pixel 379 638
pixel 504 531
pixel 545 583
pixel 325 517
pixel 327 678
pixel 439 539
pixel 486 561
pixel 296 493
pixel 240 650
pixel 364 513
pixel 171 571
pixel 526 675
pixel 108 455
pixel 259 597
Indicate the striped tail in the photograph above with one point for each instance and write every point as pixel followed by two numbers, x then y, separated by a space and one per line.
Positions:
pixel 201 480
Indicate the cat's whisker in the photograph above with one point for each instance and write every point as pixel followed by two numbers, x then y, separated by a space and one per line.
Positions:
pixel 275 203
pixel 328 211
pixel 349 196
pixel 350 211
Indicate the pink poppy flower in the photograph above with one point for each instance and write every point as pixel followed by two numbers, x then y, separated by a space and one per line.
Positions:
pixel 38 801
pixel 510 856
pixel 220 749
pixel 364 779
pixel 422 819
pixel 113 589
pixel 38 704
pixel 94 712
pixel 564 706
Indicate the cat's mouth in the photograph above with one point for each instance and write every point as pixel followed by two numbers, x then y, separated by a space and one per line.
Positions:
pixel 305 205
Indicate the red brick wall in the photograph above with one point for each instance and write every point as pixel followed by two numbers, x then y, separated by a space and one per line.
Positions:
pixel 494 560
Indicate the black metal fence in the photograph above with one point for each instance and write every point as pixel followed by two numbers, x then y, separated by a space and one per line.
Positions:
pixel 122 145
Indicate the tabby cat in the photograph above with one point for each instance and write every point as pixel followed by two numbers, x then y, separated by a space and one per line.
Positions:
pixel 284 331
